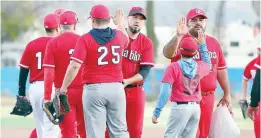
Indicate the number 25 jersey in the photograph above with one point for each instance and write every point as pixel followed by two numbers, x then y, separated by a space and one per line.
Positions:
pixel 32 58
pixel 101 62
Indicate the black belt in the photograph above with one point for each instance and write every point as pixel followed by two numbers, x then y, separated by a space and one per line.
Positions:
pixel 133 85
pixel 186 102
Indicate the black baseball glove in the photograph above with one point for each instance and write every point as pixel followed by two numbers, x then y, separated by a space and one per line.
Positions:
pixel 60 103
pixel 50 112
pixel 22 107
pixel 243 105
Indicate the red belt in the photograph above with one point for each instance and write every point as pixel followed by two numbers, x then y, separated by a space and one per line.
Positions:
pixel 207 93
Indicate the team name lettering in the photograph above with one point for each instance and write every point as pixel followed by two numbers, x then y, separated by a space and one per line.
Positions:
pixel 132 55
pixel 210 53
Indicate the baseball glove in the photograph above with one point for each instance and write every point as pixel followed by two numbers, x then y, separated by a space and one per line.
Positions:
pixel 243 105
pixel 50 112
pixel 22 107
pixel 60 103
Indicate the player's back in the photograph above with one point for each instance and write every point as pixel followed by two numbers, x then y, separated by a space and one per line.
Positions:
pixel 63 47
pixel 33 56
pixel 103 61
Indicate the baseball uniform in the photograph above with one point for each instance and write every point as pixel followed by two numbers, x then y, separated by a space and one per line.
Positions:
pixel 99 51
pixel 255 98
pixel 32 59
pixel 208 83
pixel 250 70
pixel 183 80
pixel 139 52
pixel 58 53
pixel 138 58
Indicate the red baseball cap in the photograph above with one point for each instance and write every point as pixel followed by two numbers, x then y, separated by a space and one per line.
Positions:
pixel 100 11
pixel 59 11
pixel 188 46
pixel 196 12
pixel 138 10
pixel 68 18
pixel 51 21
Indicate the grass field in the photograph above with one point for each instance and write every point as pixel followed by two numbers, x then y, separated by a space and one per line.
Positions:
pixel 15 126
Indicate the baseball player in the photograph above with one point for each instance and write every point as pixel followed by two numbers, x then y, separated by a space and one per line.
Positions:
pixel 138 59
pixel 254 106
pixel 56 61
pixel 195 21
pixel 181 81
pixel 99 52
pixel 249 73
pixel 31 60
pixel 137 62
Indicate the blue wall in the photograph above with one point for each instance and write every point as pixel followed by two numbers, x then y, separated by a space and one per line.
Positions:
pixel 9 81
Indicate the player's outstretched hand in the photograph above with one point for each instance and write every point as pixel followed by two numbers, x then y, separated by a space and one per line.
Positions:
pixel 154 120
pixel 201 37
pixel 118 18
pixel 181 27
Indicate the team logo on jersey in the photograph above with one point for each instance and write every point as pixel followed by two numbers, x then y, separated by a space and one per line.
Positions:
pixel 132 55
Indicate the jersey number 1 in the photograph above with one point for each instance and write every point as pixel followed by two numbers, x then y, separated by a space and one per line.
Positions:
pixel 104 51
pixel 39 60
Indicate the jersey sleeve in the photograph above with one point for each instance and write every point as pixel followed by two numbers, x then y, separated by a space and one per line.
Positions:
pixel 168 76
pixel 257 64
pixel 26 57
pixel 49 55
pixel 177 56
pixel 148 54
pixel 80 50
pixel 221 59
pixel 247 74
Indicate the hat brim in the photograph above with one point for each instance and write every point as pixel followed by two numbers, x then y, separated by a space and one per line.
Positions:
pixel 202 15
pixel 139 13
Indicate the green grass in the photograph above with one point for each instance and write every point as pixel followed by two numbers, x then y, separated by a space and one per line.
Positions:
pixel 11 121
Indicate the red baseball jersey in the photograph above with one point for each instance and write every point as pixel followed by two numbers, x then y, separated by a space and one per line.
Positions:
pixel 250 70
pixel 101 63
pixel 258 62
pixel 58 53
pixel 185 89
pixel 138 52
pixel 33 56
pixel 208 83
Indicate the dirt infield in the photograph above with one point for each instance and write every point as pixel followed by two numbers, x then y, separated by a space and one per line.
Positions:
pixel 148 133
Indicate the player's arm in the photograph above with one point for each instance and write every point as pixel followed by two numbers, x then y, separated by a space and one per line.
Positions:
pixel 71 73
pixel 222 77
pixel 118 19
pixel 142 75
pixel 171 47
pixel 24 69
pixel 244 88
pixel 23 74
pixel 49 70
pixel 165 91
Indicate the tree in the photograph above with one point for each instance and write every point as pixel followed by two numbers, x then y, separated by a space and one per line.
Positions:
pixel 17 17
pixel 150 26
pixel 256 7
pixel 219 21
